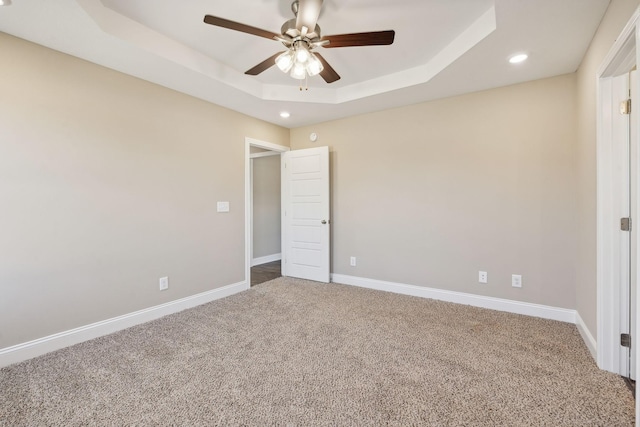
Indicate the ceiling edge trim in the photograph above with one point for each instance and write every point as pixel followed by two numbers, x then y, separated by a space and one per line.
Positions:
pixel 134 33
pixel 474 34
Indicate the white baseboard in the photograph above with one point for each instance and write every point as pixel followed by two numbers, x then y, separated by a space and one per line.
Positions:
pixel 510 306
pixel 40 346
pixel 587 337
pixel 265 259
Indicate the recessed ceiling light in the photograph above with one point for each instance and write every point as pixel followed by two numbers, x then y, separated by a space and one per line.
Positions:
pixel 516 59
pixel 5 2
pixel 285 115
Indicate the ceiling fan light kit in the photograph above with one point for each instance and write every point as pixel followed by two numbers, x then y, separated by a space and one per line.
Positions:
pixel 300 36
pixel 299 61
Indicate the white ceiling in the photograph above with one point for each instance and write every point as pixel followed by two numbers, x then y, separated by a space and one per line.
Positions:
pixel 442 48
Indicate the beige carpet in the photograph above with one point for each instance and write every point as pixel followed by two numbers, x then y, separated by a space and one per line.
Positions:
pixel 290 352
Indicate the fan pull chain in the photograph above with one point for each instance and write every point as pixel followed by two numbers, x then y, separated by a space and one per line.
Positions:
pixel 306 83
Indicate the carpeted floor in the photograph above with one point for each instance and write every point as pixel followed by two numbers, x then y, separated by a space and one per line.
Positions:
pixel 290 352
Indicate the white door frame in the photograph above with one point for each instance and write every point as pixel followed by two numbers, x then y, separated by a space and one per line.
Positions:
pixel 620 59
pixel 248 201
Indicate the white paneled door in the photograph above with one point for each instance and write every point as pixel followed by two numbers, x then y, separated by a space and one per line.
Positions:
pixel 305 214
pixel 624 134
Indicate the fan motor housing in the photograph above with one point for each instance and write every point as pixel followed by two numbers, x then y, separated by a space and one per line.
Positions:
pixel 289 29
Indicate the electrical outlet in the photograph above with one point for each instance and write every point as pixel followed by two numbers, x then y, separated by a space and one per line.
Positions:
pixel 482 276
pixel 164 283
pixel 516 280
pixel 353 261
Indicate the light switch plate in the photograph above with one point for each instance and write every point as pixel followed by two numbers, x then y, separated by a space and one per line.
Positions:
pixel 223 206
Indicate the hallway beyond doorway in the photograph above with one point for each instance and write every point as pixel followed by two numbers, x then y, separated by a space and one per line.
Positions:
pixel 265 272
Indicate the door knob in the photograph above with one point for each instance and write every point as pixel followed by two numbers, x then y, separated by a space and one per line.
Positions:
pixel 324 221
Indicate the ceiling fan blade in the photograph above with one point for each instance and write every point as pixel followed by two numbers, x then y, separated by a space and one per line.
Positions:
pixel 308 12
pixel 374 38
pixel 264 65
pixel 328 73
pixel 232 25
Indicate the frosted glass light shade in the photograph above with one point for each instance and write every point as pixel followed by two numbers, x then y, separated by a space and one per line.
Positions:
pixel 298 71
pixel 314 66
pixel 285 61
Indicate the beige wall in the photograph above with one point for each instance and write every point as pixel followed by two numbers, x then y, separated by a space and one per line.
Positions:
pixel 618 13
pixel 266 206
pixel 107 183
pixel 432 193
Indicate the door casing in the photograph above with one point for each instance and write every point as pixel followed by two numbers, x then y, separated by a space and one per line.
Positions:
pixel 621 59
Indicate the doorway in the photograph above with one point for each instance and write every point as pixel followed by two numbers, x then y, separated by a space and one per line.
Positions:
pixel 262 244
pixel 305 195
pixel 266 216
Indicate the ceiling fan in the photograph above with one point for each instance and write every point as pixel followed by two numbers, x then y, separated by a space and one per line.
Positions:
pixel 300 36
